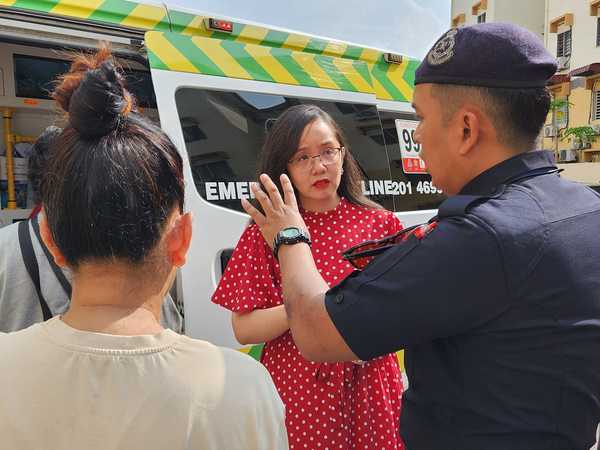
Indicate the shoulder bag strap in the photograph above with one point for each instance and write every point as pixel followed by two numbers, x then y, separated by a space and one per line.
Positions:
pixel 60 276
pixel 31 265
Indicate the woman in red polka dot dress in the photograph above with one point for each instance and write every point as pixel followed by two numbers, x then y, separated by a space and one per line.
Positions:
pixel 352 405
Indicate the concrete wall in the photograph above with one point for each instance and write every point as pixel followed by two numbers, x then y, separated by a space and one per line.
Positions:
pixel 529 14
pixel 465 6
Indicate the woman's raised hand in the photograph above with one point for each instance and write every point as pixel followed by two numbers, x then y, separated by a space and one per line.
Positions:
pixel 279 213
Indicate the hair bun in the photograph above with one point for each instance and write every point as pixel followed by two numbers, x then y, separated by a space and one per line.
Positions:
pixel 93 94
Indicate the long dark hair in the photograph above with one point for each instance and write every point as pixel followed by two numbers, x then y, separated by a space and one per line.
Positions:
pixel 114 177
pixel 282 143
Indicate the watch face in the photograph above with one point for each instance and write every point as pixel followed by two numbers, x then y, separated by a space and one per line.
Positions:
pixel 289 233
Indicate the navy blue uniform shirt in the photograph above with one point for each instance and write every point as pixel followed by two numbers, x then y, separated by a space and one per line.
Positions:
pixel 498 310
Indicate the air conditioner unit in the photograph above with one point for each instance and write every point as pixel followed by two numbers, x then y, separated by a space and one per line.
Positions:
pixel 563 62
pixel 567 156
pixel 550 131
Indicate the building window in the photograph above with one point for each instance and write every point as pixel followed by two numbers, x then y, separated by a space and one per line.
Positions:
pixel 563 44
pixel 481 18
pixel 596 105
pixel 598 32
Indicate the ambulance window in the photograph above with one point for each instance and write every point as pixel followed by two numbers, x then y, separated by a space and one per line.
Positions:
pixel 34 76
pixel 224 133
pixel 139 84
pixel 262 101
pixel 414 190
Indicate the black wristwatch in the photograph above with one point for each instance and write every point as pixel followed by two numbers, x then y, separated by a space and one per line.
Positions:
pixel 290 236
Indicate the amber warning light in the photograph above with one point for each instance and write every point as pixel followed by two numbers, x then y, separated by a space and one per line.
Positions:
pixel 220 25
pixel 392 58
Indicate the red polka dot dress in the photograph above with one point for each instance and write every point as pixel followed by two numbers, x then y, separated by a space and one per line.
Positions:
pixel 328 405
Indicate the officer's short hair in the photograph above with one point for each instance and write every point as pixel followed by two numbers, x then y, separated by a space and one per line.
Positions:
pixel 518 115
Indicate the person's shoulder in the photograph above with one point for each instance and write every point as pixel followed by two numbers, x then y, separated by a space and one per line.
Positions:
pixel 251 238
pixel 235 360
pixel 383 215
pixel 244 364
pixel 9 229
pixel 19 351
pixel 23 334
pixel 229 376
pixel 514 210
pixel 252 231
pixel 251 245
pixel 9 236
pixel 245 410
pixel 367 211
pixel 376 217
pixel 511 225
pixel 12 343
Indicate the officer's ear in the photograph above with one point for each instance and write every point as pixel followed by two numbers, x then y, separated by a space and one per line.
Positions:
pixel 471 128
pixel 46 235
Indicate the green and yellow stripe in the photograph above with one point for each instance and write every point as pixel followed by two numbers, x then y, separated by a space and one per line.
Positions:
pixel 249 52
pixel 122 12
pixel 153 17
pixel 390 82
pixel 235 59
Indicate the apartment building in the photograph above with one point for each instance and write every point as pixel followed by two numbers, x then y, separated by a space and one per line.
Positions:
pixel 526 13
pixel 570 30
pixel 573 35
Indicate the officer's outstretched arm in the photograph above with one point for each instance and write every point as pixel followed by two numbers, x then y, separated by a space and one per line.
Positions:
pixel 303 287
pixel 304 290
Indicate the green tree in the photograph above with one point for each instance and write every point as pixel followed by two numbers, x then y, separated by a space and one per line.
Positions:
pixel 556 105
pixel 583 135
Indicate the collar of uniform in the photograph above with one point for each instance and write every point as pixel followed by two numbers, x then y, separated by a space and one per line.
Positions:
pixel 488 181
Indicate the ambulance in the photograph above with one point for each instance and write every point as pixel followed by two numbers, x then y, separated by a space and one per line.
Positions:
pixel 216 84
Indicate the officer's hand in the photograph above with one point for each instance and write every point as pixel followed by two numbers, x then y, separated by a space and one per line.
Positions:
pixel 279 214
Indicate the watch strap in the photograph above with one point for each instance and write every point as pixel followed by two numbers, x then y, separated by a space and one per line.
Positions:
pixel 280 240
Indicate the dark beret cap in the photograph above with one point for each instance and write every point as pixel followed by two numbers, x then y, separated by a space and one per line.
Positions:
pixel 497 55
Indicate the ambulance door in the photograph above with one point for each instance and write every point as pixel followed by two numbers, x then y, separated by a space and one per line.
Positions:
pixel 416 199
pixel 219 126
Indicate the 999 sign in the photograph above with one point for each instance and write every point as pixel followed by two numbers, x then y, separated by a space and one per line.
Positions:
pixel 409 149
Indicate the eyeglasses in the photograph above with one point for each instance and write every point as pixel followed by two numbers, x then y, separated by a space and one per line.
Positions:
pixel 327 157
pixel 362 254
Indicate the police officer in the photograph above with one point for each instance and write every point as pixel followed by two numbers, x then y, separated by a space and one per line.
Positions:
pixel 497 303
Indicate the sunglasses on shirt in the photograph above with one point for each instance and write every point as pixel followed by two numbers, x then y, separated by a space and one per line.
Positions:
pixel 362 254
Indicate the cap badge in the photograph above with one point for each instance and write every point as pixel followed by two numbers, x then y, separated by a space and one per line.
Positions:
pixel 443 50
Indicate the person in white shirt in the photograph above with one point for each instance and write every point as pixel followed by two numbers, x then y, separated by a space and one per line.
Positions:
pixel 105 374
